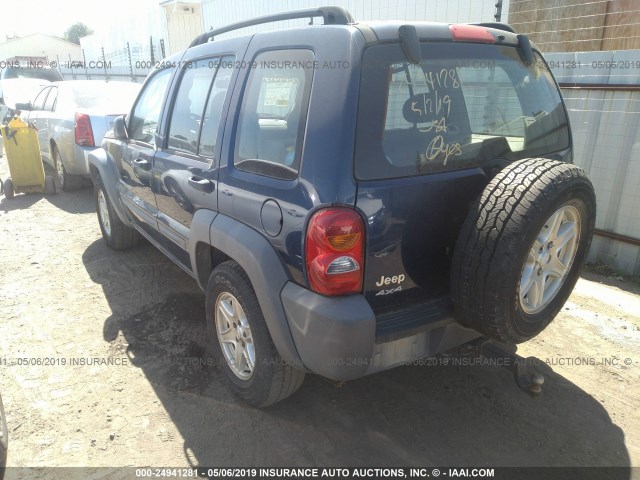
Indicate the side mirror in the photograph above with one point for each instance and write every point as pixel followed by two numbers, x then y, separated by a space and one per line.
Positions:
pixel 120 129
pixel 25 107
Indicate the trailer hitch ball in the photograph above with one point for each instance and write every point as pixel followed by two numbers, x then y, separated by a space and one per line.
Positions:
pixel 536 384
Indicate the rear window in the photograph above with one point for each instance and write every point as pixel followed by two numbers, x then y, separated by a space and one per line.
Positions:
pixel 109 97
pixel 463 105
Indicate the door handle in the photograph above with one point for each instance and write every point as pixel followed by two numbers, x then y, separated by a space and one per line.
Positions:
pixel 143 164
pixel 202 184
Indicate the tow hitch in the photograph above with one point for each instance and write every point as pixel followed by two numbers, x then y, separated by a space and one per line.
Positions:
pixel 524 373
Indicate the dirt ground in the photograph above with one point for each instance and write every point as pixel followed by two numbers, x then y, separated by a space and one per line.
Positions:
pixel 129 381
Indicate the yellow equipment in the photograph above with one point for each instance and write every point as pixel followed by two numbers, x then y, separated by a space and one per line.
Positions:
pixel 22 150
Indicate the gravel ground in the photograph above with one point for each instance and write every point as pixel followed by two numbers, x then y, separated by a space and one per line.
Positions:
pixel 103 361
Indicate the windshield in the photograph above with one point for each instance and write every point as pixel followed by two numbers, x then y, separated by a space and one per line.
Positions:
pixel 462 106
pixel 48 74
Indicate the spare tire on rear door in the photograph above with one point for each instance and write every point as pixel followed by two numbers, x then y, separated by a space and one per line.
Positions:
pixel 521 248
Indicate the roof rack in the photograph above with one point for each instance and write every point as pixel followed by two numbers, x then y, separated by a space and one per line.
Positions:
pixel 498 26
pixel 332 16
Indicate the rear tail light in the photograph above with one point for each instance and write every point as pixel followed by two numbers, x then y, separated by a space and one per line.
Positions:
pixel 471 33
pixel 335 251
pixel 84 132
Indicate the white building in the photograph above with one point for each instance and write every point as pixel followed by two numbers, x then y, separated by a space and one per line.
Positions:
pixel 41 46
pixel 175 23
pixel 140 31
pixel 168 25
pixel 183 23
pixel 217 13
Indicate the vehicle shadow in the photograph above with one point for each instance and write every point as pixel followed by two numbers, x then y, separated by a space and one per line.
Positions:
pixel 410 416
pixel 78 201
pixel 19 202
pixel 628 285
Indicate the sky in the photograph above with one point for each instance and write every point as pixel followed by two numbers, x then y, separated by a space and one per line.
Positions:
pixel 23 17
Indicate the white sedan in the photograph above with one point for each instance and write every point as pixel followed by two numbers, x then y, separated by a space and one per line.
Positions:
pixel 72 117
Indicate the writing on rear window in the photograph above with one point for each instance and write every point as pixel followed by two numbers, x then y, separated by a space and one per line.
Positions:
pixel 462 106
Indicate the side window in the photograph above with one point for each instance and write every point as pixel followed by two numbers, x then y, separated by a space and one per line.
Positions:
pixel 186 116
pixel 273 114
pixel 38 103
pixel 213 110
pixel 146 113
pixel 49 105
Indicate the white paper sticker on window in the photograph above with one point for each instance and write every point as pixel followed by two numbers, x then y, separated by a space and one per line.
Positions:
pixel 277 93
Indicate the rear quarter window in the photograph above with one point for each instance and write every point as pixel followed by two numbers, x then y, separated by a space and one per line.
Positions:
pixel 273 114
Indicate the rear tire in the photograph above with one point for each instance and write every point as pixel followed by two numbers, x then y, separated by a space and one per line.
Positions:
pixel 241 341
pixel 66 181
pixel 8 189
pixel 50 185
pixel 4 444
pixel 117 235
pixel 521 248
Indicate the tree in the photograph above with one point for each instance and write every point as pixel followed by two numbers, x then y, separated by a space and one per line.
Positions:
pixel 77 31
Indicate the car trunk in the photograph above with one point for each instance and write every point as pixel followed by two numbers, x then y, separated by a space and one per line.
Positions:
pixel 100 125
pixel 435 133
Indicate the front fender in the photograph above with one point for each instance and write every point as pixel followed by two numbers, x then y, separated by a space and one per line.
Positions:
pixel 101 163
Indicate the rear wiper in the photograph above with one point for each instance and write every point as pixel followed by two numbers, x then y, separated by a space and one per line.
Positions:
pixel 496 147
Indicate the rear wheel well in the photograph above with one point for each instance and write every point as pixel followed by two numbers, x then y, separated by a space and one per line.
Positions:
pixel 52 148
pixel 208 258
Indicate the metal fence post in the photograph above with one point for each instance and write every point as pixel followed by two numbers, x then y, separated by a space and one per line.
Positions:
pixel 104 64
pixel 130 63
pixel 84 62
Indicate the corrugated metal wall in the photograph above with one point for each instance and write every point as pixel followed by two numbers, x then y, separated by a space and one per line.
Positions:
pixel 604 105
pixel 216 13
pixel 606 134
pixel 606 130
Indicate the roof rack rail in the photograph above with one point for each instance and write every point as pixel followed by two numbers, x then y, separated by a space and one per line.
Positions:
pixel 332 15
pixel 498 26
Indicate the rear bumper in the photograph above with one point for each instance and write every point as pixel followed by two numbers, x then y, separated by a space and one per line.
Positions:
pixel 336 337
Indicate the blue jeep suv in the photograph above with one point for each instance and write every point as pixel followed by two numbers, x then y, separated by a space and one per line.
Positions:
pixel 352 196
